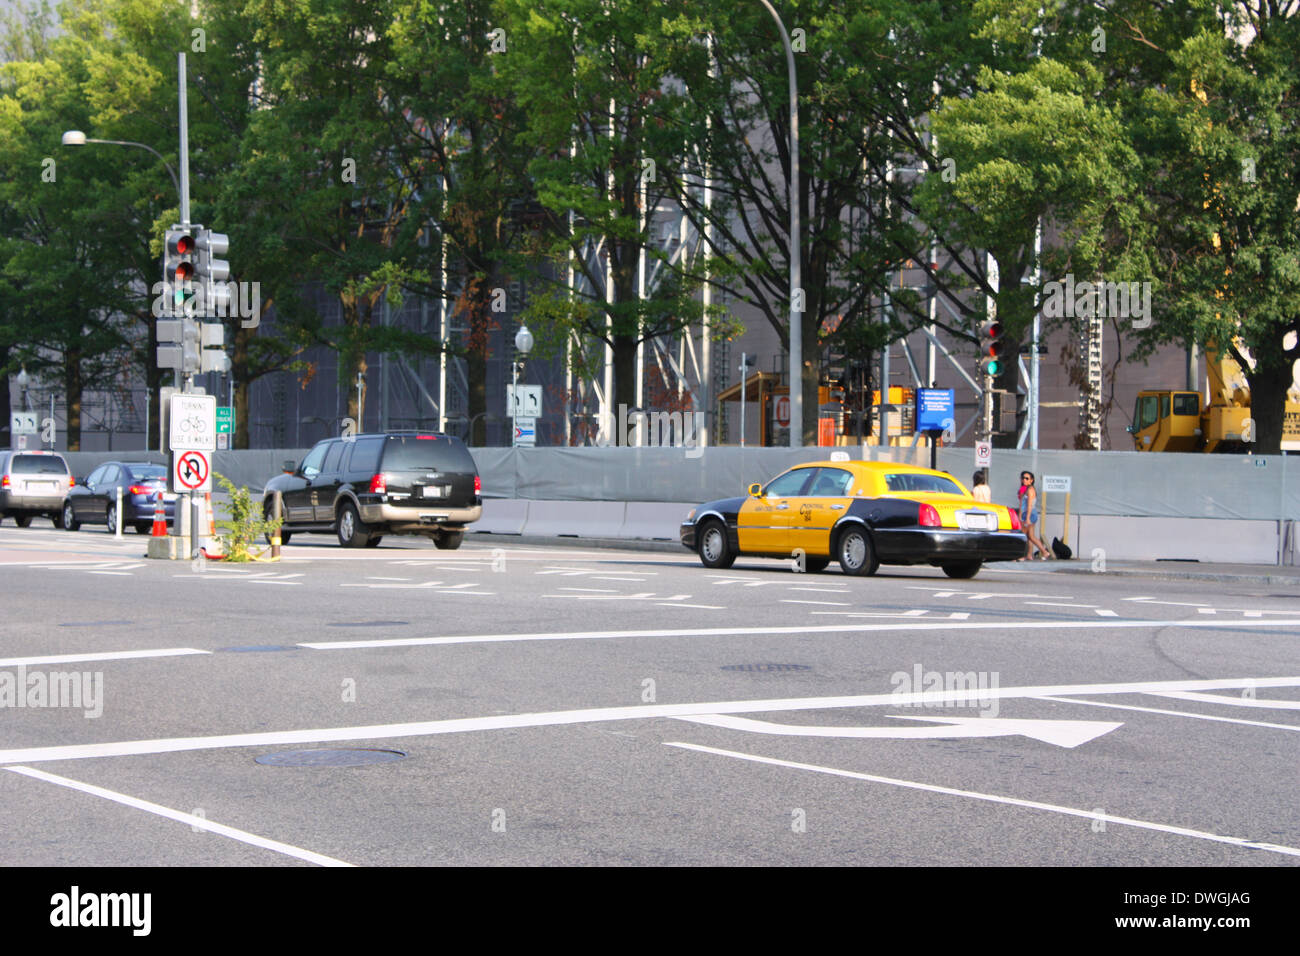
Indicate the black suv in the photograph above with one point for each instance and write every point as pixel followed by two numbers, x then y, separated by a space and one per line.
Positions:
pixel 365 486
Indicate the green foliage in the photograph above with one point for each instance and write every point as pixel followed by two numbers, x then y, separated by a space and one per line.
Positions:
pixel 246 522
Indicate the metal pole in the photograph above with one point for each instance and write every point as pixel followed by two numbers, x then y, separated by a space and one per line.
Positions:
pixel 117 516
pixel 744 387
pixel 52 429
pixel 185 142
pixel 796 247
pixel 1038 324
pixel 277 513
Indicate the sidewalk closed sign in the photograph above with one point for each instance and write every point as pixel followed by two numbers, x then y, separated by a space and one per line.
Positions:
pixel 1056 484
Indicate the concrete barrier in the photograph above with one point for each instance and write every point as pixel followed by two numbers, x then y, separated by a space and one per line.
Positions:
pixel 653 519
pixel 1185 539
pixel 502 516
pixel 581 519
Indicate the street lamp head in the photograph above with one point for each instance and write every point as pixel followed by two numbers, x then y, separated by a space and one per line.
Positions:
pixel 74 137
pixel 22 378
pixel 523 340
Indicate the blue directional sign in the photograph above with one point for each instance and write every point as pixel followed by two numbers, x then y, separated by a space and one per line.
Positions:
pixel 935 409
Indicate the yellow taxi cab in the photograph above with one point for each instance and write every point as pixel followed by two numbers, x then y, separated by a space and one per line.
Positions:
pixel 860 513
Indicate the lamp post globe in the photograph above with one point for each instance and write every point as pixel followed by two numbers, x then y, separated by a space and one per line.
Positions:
pixel 523 340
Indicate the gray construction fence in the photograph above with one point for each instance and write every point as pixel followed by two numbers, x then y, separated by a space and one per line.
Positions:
pixel 1137 505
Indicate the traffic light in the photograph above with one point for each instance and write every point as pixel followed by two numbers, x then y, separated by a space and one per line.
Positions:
pixel 178 269
pixel 212 273
pixel 992 349
pixel 212 339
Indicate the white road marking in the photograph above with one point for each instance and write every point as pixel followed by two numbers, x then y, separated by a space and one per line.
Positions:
pixel 995 798
pixel 372 577
pixel 1062 733
pixel 934 625
pixel 592 590
pixel 201 823
pixel 706 607
pixel 1148 600
pixel 641 596
pixel 1058 604
pixel 610 577
pixel 954 616
pixel 1235 701
pixel 820 603
pixel 126 573
pixel 1106 612
pixel 601 715
pixel 824 590
pixel 389 587
pixel 101 656
pixel 1174 713
pixel 983 595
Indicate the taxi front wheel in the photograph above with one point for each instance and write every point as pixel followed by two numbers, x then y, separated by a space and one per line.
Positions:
pixel 713 548
pixel 855 553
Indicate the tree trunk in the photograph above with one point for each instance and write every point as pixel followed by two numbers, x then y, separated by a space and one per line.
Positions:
pixel 477 306
pixel 811 375
pixel 1268 387
pixel 72 385
pixel 6 409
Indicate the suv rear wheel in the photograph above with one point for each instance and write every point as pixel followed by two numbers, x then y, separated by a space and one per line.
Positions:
pixel 352 532
pixel 23 521
pixel 449 540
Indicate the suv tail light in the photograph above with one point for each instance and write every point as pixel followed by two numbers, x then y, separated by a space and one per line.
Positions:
pixel 478 484
pixel 4 482
pixel 72 482
pixel 929 518
pixel 379 484
pixel 1015 519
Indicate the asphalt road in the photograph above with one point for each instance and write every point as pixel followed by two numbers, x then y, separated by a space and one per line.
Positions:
pixel 557 705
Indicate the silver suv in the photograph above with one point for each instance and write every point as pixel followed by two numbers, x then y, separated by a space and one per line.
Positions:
pixel 33 483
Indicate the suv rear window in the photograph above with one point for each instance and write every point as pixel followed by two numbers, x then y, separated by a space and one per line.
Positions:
pixel 365 456
pixel 436 452
pixel 39 465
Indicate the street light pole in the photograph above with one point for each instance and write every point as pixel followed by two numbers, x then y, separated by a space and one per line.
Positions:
pixel 796 247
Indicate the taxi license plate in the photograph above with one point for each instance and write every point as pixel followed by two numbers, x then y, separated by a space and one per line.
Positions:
pixel 977 521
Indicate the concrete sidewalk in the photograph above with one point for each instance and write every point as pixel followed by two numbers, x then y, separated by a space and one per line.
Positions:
pixel 1155 570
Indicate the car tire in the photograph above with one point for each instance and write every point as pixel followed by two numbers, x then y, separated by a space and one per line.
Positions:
pixel 111 516
pixel 712 546
pixel 374 541
pixel 816 565
pixel 855 553
pixel 23 521
pixel 449 540
pixel 143 527
pixel 962 569
pixel 352 532
pixel 69 522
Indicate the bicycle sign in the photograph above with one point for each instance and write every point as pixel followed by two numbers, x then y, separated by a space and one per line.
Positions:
pixel 193 420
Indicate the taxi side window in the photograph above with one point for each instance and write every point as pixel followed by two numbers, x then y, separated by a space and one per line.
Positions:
pixel 789 484
pixel 831 483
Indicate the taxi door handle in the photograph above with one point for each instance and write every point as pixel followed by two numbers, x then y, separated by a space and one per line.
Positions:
pixel 782 507
pixel 837 507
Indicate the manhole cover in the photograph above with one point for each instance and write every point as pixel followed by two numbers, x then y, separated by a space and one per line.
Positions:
pixel 765 668
pixel 252 648
pixel 370 624
pixel 328 758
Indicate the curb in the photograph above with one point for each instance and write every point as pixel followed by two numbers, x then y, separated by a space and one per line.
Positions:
pixel 1162 575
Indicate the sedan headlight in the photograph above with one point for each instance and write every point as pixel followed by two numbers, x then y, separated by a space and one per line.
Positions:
pixel 691 515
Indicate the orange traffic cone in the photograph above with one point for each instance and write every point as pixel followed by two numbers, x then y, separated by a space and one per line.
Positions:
pixel 159 519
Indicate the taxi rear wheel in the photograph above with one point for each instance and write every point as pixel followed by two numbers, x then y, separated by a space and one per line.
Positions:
pixel 855 553
pixel 962 569
pixel 713 548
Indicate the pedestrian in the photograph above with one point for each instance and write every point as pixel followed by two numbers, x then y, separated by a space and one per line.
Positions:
pixel 1028 496
pixel 980 489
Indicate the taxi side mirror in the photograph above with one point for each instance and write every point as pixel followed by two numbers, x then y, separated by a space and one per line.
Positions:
pixel 756 490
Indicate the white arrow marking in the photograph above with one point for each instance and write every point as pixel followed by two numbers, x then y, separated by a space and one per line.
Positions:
pixel 1062 733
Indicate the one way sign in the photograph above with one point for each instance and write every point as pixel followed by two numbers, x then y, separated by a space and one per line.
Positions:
pixel 191 471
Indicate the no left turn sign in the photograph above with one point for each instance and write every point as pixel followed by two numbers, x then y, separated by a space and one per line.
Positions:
pixel 191 471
